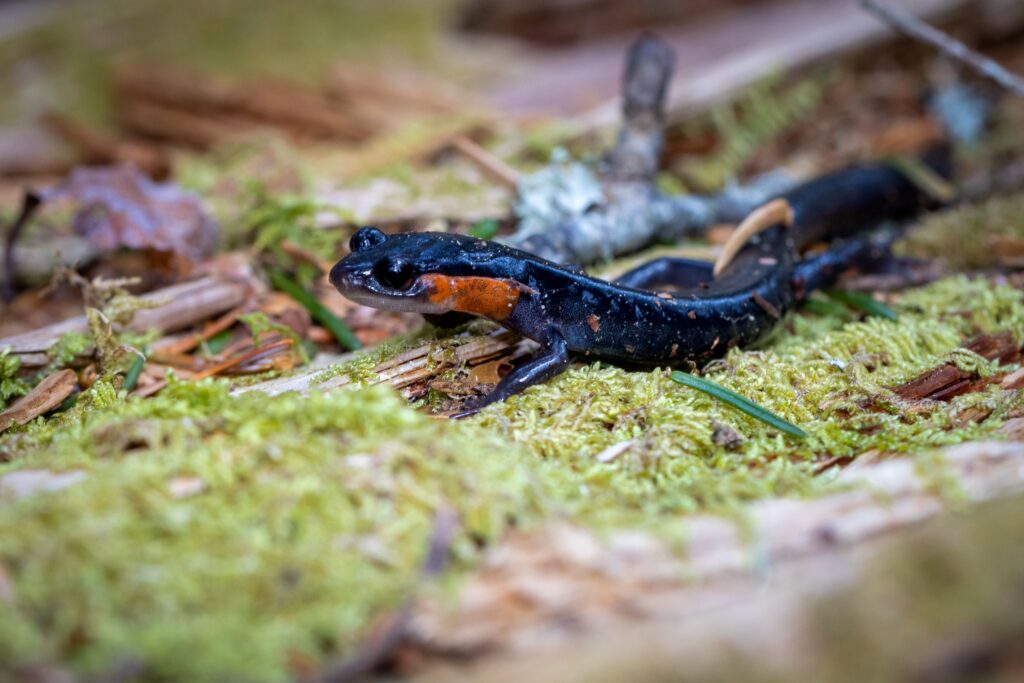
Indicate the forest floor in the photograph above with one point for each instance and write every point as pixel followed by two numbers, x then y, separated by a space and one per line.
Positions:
pixel 214 467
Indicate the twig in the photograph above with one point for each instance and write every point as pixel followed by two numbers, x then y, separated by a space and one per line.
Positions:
pixel 173 347
pixel 29 205
pixel 909 25
pixel 489 165
pixel 180 306
pixel 407 369
pixel 46 396
pixel 570 214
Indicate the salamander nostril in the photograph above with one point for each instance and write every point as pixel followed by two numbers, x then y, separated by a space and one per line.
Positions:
pixel 396 273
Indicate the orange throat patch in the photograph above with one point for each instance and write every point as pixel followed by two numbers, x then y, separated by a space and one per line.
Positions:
pixel 489 297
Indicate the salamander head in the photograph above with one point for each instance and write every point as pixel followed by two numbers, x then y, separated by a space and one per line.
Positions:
pixel 427 272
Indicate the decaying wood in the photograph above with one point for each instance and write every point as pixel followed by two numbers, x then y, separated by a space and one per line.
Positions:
pixel 909 25
pixel 173 346
pixel 46 396
pixel 947 381
pixel 201 110
pixel 183 127
pixel 396 89
pixel 410 370
pixel 98 147
pixel 561 587
pixel 180 306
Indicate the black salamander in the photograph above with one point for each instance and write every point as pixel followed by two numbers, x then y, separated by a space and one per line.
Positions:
pixel 669 311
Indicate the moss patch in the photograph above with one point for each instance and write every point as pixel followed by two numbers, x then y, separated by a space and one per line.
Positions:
pixel 967 237
pixel 827 377
pixel 217 537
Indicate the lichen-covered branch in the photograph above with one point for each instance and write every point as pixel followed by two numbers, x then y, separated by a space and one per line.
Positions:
pixel 570 213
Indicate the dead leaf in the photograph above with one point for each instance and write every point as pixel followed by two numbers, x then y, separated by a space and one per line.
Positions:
pixel 118 207
pixel 490 372
pixel 946 381
pixel 47 395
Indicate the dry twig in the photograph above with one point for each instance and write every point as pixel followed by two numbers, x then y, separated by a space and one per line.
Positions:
pixel 180 306
pixel 909 25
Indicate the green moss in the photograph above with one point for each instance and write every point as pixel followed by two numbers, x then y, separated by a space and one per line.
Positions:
pixel 217 537
pixel 763 112
pixel 834 384
pixel 963 237
pixel 69 346
pixel 307 517
pixel 11 385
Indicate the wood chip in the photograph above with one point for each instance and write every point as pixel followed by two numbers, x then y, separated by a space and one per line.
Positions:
pixel 947 381
pixel 1013 381
pixel 46 396
pixel 614 451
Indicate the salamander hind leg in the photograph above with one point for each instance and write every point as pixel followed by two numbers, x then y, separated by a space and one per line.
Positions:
pixel 552 361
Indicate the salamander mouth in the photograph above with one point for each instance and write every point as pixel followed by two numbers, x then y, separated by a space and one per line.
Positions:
pixel 362 287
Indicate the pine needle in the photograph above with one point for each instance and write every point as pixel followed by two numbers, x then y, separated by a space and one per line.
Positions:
pixel 863 302
pixel 740 403
pixel 338 329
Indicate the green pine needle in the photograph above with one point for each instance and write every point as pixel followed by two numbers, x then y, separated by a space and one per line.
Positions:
pixel 863 302
pixel 131 378
pixel 738 402
pixel 338 329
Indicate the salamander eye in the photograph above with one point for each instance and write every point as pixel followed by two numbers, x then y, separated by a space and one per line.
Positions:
pixel 396 273
pixel 365 238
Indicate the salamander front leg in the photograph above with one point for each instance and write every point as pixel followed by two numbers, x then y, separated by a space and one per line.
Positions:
pixel 553 360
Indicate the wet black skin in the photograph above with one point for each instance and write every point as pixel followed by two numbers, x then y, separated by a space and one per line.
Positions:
pixel 667 311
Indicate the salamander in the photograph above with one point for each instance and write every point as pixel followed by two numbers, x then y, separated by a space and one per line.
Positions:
pixel 668 311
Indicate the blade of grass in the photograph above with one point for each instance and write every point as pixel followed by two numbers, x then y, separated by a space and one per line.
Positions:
pixel 741 403
pixel 863 302
pixel 131 377
pixel 320 313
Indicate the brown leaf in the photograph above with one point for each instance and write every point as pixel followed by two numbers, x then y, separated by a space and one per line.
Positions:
pixel 47 395
pixel 490 372
pixel 120 207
